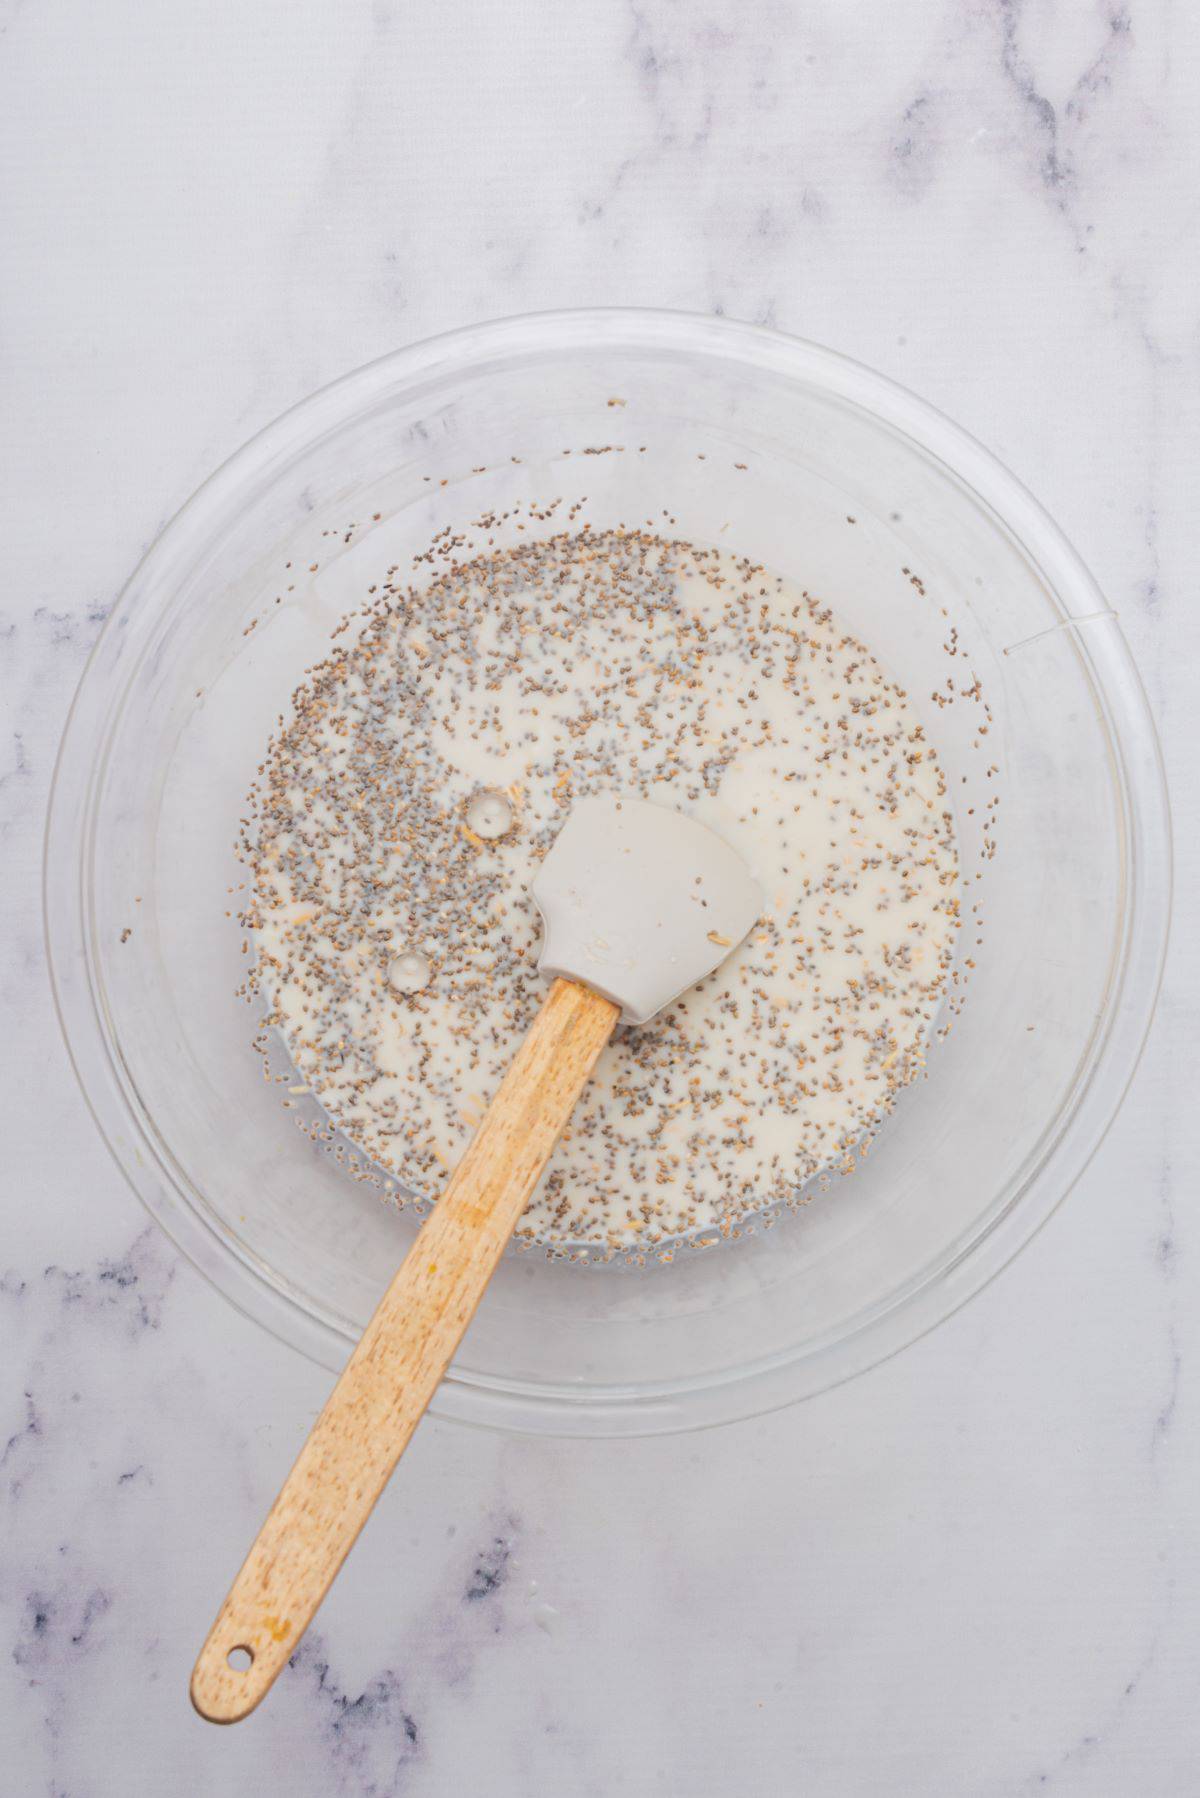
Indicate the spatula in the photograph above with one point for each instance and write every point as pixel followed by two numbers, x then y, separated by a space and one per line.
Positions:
pixel 638 903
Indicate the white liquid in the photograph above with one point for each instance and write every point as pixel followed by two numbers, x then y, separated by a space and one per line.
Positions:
pixel 691 680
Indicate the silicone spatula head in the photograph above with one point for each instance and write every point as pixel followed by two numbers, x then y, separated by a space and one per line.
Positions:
pixel 639 903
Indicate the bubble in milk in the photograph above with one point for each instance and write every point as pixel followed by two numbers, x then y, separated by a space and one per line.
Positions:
pixel 489 814
pixel 410 972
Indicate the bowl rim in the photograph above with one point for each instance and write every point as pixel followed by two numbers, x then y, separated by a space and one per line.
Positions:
pixel 1138 960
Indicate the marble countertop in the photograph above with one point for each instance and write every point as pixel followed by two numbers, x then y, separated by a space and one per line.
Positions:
pixel 973 1570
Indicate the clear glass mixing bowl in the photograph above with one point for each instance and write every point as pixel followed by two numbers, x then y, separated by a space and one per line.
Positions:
pixel 801 460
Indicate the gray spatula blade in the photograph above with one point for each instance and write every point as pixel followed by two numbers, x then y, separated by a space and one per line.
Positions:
pixel 640 903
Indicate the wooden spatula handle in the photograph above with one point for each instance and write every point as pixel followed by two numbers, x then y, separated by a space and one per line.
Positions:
pixel 394 1371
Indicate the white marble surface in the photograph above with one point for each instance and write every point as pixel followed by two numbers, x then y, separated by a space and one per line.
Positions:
pixel 973 1571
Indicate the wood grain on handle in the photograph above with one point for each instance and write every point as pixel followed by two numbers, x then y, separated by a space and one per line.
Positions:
pixel 393 1373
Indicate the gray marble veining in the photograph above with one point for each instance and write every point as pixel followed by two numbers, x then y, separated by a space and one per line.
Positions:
pixel 972 1571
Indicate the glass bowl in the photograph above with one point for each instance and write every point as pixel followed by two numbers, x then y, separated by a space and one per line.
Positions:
pixel 822 470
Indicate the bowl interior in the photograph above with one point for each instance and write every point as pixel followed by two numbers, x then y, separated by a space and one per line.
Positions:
pixel 786 456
